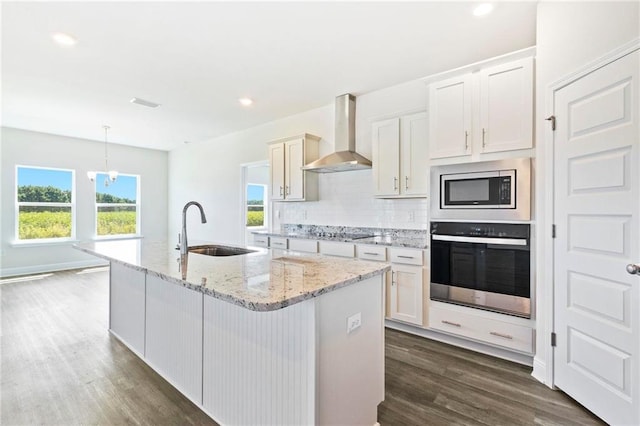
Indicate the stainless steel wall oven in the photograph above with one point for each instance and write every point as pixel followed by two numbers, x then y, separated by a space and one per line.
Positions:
pixel 484 265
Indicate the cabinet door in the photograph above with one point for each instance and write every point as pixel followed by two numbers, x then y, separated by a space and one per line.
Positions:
pixel 406 293
pixel 506 106
pixel 127 306
pixel 276 171
pixel 450 117
pixel 386 157
pixel 293 175
pixel 413 151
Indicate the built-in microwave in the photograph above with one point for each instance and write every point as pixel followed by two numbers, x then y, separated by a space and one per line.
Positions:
pixel 497 190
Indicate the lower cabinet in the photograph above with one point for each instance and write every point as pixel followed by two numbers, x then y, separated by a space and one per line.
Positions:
pixel 127 307
pixel 406 289
pixel 174 335
pixel 306 246
pixel 487 327
pixel 333 248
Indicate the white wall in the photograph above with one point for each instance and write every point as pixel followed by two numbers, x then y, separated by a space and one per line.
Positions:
pixel 20 147
pixel 345 198
pixel 569 35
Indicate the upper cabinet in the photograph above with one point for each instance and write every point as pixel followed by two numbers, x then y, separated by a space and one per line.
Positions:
pixel 400 157
pixel 485 111
pixel 288 182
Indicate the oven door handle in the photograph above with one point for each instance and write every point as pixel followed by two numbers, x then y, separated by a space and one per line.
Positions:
pixel 482 240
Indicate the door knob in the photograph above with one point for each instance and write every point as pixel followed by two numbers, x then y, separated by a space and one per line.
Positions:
pixel 633 269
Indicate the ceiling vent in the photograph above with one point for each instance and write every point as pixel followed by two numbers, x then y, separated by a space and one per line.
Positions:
pixel 144 103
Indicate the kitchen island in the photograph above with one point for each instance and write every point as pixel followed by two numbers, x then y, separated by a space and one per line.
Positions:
pixel 258 338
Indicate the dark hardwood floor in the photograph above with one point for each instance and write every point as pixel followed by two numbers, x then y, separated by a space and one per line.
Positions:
pixel 59 365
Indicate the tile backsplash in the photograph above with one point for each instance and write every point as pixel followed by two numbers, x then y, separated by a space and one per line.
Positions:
pixel 346 199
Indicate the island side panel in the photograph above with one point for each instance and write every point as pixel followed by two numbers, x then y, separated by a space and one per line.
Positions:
pixel 259 367
pixel 173 344
pixel 127 306
pixel 351 364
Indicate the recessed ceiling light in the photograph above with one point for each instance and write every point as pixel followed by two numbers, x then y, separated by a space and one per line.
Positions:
pixel 64 39
pixel 245 101
pixel 483 9
pixel 144 102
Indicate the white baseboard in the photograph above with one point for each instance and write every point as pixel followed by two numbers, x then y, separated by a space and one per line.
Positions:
pixel 38 269
pixel 517 357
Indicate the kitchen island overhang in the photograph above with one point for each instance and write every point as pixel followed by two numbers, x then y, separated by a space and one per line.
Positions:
pixel 261 338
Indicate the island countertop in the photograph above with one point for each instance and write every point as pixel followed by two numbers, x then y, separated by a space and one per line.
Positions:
pixel 263 280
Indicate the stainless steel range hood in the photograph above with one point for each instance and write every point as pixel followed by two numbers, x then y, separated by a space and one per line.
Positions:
pixel 345 157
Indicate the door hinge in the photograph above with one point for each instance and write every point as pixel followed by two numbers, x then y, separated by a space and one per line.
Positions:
pixel 552 119
pixel 553 230
pixel 553 340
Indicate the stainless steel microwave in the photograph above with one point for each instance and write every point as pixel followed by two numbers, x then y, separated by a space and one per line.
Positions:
pixel 499 190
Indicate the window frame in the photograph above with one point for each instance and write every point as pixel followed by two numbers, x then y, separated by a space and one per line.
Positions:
pixel 265 203
pixel 18 204
pixel 97 205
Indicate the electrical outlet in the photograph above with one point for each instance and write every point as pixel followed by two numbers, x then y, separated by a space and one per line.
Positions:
pixel 412 216
pixel 354 322
pixel 278 214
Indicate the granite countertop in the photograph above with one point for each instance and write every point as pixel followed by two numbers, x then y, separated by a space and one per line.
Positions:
pixel 259 281
pixel 418 242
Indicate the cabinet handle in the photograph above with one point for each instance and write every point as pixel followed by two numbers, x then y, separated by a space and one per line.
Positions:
pixel 395 183
pixel 504 336
pixel 287 191
pixel 483 133
pixel 406 182
pixel 371 254
pixel 393 276
pixel 455 324
pixel 405 257
pixel 466 140
pixel 281 189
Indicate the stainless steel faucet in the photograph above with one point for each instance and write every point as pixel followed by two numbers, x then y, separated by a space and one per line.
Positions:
pixel 182 238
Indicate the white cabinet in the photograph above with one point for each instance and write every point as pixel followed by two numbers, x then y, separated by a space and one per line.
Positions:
pixel 400 156
pixel 486 327
pixel 406 287
pixel 333 248
pixel 174 335
pixel 286 158
pixel 127 307
pixel 371 252
pixel 260 240
pixel 278 243
pixel 450 117
pixel 481 112
pixel 306 246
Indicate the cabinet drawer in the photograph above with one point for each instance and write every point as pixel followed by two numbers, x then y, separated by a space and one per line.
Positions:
pixel 486 330
pixel 309 246
pixel 277 242
pixel 406 256
pixel 261 240
pixel 332 248
pixel 372 252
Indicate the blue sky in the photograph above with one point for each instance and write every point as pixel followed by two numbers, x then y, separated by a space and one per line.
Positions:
pixel 255 192
pixel 124 186
pixel 44 177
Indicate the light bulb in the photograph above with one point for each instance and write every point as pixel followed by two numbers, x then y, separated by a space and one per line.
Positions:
pixel 113 175
pixel 91 176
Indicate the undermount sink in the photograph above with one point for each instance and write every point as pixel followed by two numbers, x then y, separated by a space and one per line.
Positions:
pixel 216 250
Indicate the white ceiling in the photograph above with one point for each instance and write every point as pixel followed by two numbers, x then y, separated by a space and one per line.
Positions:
pixel 196 59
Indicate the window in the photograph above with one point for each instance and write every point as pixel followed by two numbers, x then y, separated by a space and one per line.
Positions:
pixel 117 205
pixel 256 200
pixel 45 203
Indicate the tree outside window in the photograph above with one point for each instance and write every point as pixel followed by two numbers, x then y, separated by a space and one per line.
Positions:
pixel 45 203
pixel 117 206
pixel 256 200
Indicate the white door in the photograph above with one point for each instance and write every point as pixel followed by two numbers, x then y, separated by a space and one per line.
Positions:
pixel 294 176
pixel 413 150
pixel 386 156
pixel 596 210
pixel 406 293
pixel 450 117
pixel 506 106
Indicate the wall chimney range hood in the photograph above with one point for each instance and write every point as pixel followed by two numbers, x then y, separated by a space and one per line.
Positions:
pixel 345 158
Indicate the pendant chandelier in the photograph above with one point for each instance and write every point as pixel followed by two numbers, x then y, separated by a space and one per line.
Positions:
pixel 112 175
